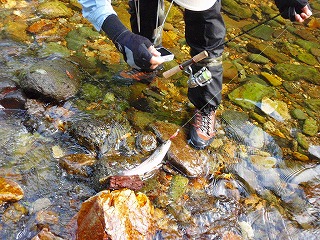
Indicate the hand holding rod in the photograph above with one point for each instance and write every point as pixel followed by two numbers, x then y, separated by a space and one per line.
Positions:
pixel 185 64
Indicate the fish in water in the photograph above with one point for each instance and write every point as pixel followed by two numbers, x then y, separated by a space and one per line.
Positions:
pixel 151 163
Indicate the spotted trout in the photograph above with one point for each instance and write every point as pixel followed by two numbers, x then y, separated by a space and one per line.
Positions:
pixel 151 163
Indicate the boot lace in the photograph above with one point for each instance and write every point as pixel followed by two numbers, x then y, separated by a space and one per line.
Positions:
pixel 205 122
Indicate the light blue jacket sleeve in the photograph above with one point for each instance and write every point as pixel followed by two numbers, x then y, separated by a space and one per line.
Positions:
pixel 96 11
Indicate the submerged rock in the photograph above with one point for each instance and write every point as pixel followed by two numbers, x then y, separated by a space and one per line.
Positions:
pixel 99 136
pixel 181 156
pixel 57 79
pixel 54 9
pixel 79 164
pixel 10 191
pixel 46 234
pixel 249 94
pixel 294 72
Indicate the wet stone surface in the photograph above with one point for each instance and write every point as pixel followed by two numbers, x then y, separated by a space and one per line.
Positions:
pixel 261 168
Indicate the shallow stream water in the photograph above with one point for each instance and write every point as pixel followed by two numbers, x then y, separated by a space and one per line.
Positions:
pixel 251 200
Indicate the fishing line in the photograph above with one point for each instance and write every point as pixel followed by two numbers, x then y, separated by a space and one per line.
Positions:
pixel 228 41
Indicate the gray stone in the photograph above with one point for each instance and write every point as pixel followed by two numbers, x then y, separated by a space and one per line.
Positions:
pixel 57 79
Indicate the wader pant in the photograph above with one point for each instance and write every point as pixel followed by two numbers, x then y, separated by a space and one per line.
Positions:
pixel 204 30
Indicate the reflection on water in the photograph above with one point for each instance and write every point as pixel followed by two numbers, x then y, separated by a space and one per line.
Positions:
pixel 28 159
pixel 253 200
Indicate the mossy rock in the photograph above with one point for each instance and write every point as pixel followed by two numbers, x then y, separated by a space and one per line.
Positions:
pixel 294 72
pixel 237 10
pixel 249 94
pixel 264 32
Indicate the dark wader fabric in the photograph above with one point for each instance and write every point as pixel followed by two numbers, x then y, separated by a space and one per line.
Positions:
pixel 205 30
pixel 148 17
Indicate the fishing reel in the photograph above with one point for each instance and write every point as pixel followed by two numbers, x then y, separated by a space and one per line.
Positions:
pixel 200 78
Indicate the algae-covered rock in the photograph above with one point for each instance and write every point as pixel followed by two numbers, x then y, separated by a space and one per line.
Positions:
pixel 79 37
pixel 257 58
pixel 274 80
pixel 263 31
pixel 307 58
pixel 313 104
pixel 266 50
pixel 235 9
pixel 294 72
pixel 298 114
pixel 17 31
pixel 302 140
pixel 178 186
pixel 307 45
pixel 249 94
pixel 57 79
pixel 53 48
pixel 91 92
pixel 310 127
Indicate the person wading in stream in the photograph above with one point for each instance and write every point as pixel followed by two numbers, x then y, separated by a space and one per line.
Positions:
pixel 204 30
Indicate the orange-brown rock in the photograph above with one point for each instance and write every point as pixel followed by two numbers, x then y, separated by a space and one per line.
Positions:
pixel 78 164
pixel 10 191
pixel 45 234
pixel 119 214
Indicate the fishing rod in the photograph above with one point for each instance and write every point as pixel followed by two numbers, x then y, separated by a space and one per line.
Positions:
pixel 205 54
pixel 177 69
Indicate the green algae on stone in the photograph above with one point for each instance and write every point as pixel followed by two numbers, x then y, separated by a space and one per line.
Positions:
pixel 74 40
pixel 307 45
pixel 109 97
pixel 235 9
pixel 17 31
pixel 266 50
pixel 310 127
pixel 139 119
pixel 264 32
pixel 91 92
pixel 294 72
pixel 178 186
pixel 307 58
pixel 258 117
pixel 54 48
pixel 249 94
pixel 313 104
pixel 298 114
pixel 77 38
pixel 258 58
pixel 303 141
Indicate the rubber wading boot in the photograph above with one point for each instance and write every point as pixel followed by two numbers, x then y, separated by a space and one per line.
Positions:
pixel 202 130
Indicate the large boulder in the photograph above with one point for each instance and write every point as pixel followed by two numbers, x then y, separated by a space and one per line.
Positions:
pixel 119 214
pixel 57 79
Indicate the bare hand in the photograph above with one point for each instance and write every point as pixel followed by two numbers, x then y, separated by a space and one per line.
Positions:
pixel 155 60
pixel 306 13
